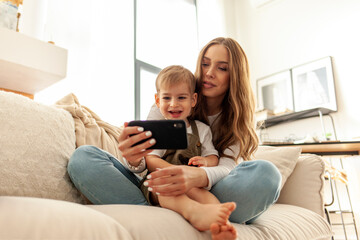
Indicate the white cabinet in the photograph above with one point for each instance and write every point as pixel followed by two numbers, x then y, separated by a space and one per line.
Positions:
pixel 29 65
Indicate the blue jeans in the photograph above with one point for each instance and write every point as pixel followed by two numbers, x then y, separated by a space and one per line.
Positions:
pixel 253 185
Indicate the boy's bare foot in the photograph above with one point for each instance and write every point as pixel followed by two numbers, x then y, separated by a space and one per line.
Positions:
pixel 223 232
pixel 203 215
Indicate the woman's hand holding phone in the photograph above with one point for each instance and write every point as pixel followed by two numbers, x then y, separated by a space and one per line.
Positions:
pixel 130 136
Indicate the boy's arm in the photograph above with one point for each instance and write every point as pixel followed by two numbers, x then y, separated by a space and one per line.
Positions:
pixel 212 160
pixel 210 154
pixel 153 162
pixel 208 161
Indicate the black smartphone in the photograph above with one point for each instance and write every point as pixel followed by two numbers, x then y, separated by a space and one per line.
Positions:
pixel 169 134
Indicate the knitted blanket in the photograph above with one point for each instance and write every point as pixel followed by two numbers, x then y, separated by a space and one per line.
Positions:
pixel 89 128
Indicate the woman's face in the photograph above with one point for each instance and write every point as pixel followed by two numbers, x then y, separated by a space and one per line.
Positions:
pixel 215 73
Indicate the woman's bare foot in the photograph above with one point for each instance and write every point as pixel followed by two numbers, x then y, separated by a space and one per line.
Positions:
pixel 203 215
pixel 223 232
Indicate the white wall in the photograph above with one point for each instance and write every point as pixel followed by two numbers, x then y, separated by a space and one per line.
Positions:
pixel 211 16
pixel 287 33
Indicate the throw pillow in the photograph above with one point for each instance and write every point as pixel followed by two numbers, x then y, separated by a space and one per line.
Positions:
pixel 284 158
pixel 36 143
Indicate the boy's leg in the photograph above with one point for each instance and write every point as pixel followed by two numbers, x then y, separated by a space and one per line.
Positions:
pixel 102 178
pixel 218 231
pixel 223 232
pixel 201 216
pixel 202 196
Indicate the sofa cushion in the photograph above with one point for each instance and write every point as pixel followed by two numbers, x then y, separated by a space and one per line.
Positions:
pixel 35 144
pixel 305 186
pixel 35 218
pixel 283 221
pixel 284 158
pixel 280 221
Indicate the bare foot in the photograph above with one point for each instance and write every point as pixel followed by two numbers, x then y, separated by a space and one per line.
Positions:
pixel 223 232
pixel 203 215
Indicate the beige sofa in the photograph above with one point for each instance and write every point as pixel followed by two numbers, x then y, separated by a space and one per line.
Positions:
pixel 38 200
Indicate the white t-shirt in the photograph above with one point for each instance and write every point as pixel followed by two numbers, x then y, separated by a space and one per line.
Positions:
pixel 205 137
pixel 225 165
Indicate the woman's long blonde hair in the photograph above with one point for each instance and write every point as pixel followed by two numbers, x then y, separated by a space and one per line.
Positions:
pixel 236 122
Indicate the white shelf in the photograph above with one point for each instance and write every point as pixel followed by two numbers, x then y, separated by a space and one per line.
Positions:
pixel 29 65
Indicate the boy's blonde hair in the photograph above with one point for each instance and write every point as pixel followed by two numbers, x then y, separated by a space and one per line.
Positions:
pixel 175 74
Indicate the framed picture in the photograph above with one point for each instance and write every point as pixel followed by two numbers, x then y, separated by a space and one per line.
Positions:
pixel 274 93
pixel 313 85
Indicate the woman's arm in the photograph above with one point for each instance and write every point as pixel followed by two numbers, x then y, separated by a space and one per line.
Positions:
pixel 176 180
pixel 215 174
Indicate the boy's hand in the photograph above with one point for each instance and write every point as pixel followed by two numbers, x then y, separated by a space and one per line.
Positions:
pixel 198 161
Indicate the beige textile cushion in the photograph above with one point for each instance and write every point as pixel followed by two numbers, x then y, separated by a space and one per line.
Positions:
pixel 89 128
pixel 280 222
pixel 149 222
pixel 36 143
pixel 35 218
pixel 284 158
pixel 305 186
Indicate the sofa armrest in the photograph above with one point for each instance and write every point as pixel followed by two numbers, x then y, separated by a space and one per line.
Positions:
pixel 305 186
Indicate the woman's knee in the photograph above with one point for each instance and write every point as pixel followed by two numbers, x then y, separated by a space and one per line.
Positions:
pixel 262 175
pixel 80 158
pixel 269 175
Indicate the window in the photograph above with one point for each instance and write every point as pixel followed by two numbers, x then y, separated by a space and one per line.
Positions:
pixel 165 34
pixel 145 85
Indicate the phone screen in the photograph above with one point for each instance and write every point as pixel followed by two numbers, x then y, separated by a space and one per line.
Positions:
pixel 169 134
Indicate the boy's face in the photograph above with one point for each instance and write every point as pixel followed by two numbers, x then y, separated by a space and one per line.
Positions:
pixel 176 101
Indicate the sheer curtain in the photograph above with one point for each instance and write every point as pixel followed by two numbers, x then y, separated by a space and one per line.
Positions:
pixel 99 37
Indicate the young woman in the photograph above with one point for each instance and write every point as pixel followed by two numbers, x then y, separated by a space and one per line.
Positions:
pixel 226 103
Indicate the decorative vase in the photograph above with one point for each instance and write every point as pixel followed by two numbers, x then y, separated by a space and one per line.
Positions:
pixel 9 14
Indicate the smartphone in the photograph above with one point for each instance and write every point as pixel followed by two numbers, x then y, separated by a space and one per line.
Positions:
pixel 169 134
